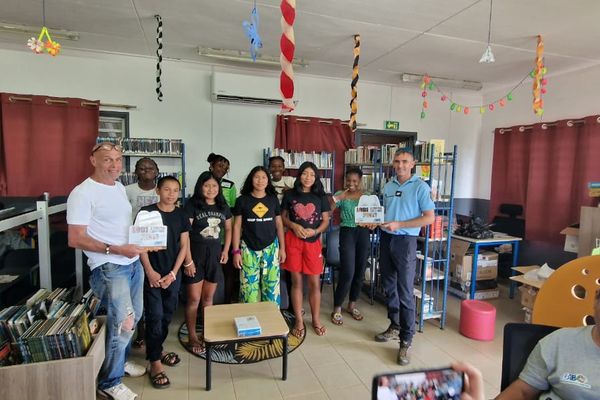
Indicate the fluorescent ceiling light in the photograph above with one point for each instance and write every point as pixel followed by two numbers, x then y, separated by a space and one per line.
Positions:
pixel 35 31
pixel 444 82
pixel 245 57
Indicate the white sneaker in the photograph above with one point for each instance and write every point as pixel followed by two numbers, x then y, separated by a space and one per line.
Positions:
pixel 118 392
pixel 134 370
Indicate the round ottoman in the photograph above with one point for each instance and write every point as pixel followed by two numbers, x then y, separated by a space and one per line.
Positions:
pixel 477 320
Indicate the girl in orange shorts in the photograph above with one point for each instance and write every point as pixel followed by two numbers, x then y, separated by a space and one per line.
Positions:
pixel 305 212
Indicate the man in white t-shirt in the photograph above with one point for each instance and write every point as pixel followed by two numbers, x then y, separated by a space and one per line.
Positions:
pixel 99 216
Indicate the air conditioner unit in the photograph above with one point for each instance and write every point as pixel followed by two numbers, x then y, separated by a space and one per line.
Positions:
pixel 245 89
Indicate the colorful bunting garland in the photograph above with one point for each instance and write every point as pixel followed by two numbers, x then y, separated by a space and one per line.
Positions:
pixel 539 83
pixel 353 102
pixel 38 46
pixel 428 85
pixel 288 46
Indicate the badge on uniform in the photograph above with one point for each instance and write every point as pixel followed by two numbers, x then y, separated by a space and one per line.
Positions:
pixel 398 193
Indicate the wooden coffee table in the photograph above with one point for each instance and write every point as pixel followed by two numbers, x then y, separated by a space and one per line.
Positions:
pixel 219 328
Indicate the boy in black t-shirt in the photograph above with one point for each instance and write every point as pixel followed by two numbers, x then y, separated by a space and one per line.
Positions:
pixel 161 286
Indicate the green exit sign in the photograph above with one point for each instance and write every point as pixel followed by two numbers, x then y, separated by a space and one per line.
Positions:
pixel 392 125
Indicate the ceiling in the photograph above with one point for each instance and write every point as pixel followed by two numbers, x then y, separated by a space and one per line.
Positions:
pixel 441 38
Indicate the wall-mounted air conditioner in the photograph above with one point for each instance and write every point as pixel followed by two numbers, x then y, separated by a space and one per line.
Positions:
pixel 245 89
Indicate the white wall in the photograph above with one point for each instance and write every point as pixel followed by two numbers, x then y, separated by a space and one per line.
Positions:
pixel 238 132
pixel 572 95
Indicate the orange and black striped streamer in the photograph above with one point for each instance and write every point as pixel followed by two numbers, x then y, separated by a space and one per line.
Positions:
pixel 353 102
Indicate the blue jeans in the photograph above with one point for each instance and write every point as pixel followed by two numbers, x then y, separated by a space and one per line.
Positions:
pixel 398 263
pixel 120 287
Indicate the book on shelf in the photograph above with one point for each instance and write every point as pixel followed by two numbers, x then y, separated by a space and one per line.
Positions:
pixel 293 159
pixel 147 146
pixel 49 326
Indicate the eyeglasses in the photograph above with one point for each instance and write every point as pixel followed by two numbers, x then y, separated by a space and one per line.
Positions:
pixel 107 146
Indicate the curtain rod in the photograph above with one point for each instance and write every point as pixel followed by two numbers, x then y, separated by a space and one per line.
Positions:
pixel 325 121
pixel 570 123
pixel 13 99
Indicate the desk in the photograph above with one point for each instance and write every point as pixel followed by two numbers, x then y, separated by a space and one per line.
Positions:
pixel 219 328
pixel 495 241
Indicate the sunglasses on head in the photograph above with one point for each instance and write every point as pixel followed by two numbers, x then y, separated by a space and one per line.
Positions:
pixel 107 146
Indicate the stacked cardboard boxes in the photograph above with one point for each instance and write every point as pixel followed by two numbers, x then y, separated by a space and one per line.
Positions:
pixel 461 265
pixel 528 290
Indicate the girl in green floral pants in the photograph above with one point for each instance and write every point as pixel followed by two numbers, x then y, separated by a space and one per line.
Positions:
pixel 258 243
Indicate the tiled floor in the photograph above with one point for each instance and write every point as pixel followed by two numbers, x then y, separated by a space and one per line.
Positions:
pixel 340 365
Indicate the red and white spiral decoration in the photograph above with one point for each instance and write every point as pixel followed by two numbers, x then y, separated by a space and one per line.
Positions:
pixel 287 45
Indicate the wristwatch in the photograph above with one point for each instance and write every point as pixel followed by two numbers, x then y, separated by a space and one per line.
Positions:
pixel 107 248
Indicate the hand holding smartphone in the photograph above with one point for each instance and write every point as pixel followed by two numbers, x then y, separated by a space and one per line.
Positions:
pixel 430 384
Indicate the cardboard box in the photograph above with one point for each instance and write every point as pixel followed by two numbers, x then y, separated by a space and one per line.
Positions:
pixel 571 239
pixel 528 295
pixel 479 294
pixel 461 261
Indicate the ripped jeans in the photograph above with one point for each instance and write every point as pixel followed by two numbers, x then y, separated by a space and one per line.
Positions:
pixel 121 288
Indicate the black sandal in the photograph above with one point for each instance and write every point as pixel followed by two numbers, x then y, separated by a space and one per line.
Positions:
pixel 171 359
pixel 160 380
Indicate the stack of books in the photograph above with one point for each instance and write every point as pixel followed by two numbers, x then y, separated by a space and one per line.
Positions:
pixel 49 326
pixel 322 160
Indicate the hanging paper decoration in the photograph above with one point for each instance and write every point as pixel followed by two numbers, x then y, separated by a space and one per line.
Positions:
pixel 38 46
pixel 538 78
pixel 424 85
pixel 251 29
pixel 354 93
pixel 287 45
pixel 159 38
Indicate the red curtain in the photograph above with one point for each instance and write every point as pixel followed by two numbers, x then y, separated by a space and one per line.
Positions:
pixel 45 143
pixel 295 133
pixel 546 168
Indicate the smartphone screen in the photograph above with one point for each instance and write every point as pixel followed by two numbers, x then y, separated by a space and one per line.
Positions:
pixel 433 384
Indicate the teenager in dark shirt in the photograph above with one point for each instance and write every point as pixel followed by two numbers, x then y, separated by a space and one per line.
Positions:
pixel 258 242
pixel 209 215
pixel 161 286
pixel 305 212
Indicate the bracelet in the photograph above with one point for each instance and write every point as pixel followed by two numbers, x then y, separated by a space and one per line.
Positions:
pixel 188 264
pixel 236 251
pixel 173 275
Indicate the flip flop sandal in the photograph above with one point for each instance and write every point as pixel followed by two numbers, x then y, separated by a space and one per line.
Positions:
pixel 336 318
pixel 297 332
pixel 320 330
pixel 355 314
pixel 160 380
pixel 171 359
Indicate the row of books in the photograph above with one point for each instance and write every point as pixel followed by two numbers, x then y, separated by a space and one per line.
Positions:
pixel 373 154
pixel 422 150
pixel 128 178
pixel 293 160
pixel 147 146
pixel 49 326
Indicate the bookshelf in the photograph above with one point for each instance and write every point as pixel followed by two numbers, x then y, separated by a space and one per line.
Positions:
pixel 160 150
pixel 437 169
pixel 324 161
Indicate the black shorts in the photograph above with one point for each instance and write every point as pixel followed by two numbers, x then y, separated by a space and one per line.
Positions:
pixel 206 256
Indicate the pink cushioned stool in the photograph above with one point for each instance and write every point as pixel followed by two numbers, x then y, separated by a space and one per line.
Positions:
pixel 477 320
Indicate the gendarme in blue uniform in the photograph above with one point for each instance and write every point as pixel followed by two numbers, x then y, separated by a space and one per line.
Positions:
pixel 406 201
